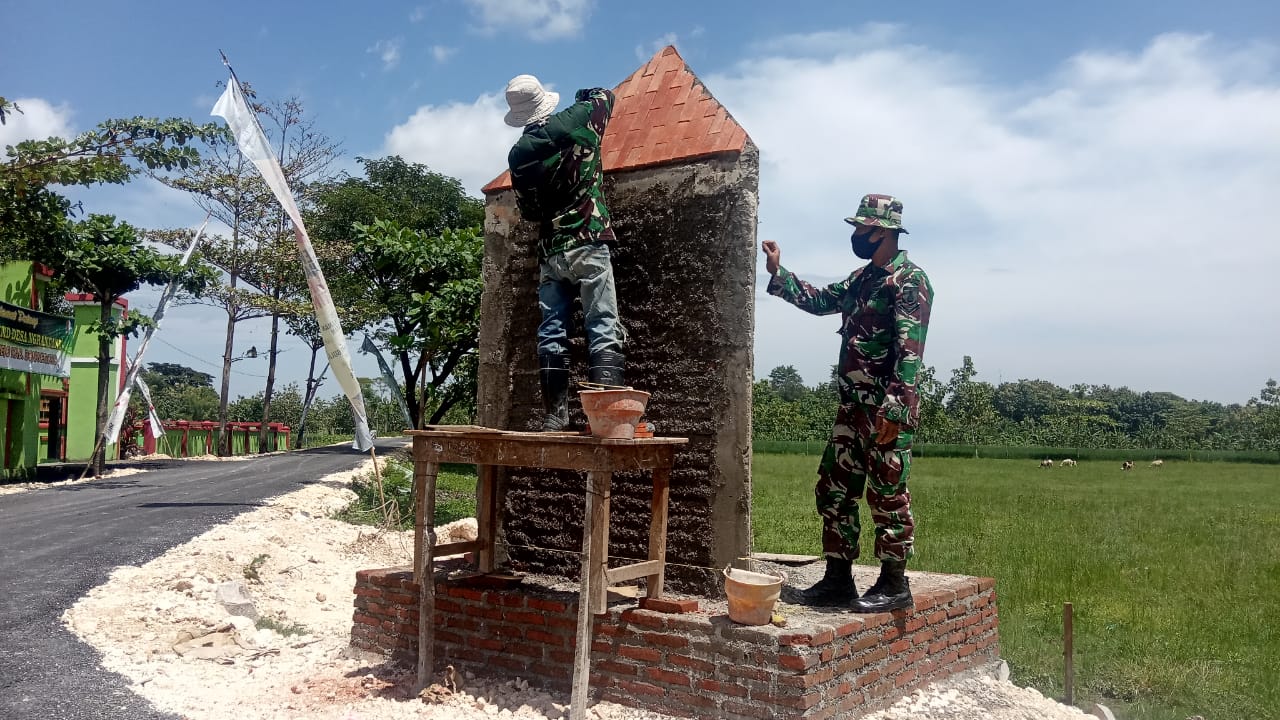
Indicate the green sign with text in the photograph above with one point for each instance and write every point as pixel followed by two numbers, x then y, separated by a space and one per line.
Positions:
pixel 36 342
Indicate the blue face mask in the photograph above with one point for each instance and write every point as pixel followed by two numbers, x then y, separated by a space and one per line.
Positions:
pixel 862 245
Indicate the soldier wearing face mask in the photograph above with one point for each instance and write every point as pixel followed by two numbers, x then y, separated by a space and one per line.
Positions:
pixel 884 307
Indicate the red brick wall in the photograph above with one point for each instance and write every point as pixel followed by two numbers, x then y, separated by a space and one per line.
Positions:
pixel 693 665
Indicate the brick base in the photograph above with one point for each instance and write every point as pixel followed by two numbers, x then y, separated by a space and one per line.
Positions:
pixel 697 664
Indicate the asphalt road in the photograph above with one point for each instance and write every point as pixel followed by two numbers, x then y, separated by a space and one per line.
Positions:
pixel 58 543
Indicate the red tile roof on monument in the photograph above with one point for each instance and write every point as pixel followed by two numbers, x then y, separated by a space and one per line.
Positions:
pixel 662 114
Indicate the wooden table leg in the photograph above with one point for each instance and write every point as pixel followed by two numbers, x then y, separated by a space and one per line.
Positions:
pixel 658 531
pixel 486 528
pixel 595 532
pixel 600 487
pixel 424 484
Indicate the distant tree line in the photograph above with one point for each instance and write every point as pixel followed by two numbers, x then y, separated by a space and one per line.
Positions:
pixel 967 411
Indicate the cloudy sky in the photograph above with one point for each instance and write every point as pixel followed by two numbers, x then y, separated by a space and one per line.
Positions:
pixel 1091 186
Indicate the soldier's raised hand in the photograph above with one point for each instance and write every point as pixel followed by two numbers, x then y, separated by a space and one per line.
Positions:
pixel 772 256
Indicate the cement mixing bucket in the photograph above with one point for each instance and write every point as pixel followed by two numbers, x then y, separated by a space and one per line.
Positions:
pixel 613 413
pixel 752 595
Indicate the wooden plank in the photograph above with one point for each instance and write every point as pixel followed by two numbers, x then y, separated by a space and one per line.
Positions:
pixel 582 639
pixel 598 485
pixel 455 548
pixel 497 450
pixel 542 438
pixel 424 480
pixel 658 530
pixel 486 515
pixel 630 572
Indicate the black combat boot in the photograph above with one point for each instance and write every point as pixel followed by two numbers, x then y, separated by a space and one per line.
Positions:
pixel 607 368
pixel 835 588
pixel 553 375
pixel 891 591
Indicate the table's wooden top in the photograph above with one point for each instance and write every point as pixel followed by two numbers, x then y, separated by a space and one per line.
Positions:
pixel 481 433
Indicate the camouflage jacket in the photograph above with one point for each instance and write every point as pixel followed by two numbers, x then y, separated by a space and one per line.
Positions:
pixel 557 173
pixel 885 317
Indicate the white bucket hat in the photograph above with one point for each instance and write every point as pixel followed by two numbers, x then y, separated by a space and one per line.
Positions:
pixel 529 101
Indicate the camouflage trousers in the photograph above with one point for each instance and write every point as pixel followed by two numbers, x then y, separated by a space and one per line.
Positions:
pixel 852 463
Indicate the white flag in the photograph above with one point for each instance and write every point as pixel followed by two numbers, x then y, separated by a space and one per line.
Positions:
pixel 112 431
pixel 254 146
pixel 154 426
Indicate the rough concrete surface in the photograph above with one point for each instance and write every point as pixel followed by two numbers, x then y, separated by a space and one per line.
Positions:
pixel 684 265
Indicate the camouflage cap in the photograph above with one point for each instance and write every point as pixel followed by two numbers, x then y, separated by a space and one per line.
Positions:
pixel 879 211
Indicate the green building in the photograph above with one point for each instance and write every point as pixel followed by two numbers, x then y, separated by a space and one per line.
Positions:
pixel 48 372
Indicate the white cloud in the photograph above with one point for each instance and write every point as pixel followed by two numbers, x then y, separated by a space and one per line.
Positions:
pixel 538 19
pixel 1095 226
pixel 442 53
pixel 468 141
pixel 38 120
pixel 388 51
pixel 418 14
pixel 644 52
pixel 829 43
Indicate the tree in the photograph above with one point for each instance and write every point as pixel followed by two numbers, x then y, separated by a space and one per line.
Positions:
pixel 403 246
pixel 411 194
pixel 1267 406
pixel 305 327
pixel 158 375
pixel 108 260
pixel 787 383
pixel 31 214
pixel 969 405
pixel 430 289
pixel 263 276
pixel 1028 399
pixel 179 392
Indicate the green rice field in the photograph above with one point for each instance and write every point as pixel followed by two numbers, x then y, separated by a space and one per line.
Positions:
pixel 1173 572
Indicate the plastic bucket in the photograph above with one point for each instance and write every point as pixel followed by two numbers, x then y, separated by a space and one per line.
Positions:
pixel 752 595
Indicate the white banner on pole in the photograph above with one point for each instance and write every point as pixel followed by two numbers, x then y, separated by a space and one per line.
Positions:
pixel 254 146
pixel 388 378
pixel 155 427
pixel 112 431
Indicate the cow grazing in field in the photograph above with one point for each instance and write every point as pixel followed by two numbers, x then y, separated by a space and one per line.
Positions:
pixel 1128 465
pixel 1046 463
pixel 1068 463
pixel 1157 463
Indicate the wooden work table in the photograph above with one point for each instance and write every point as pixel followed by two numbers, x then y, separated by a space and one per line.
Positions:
pixel 488 449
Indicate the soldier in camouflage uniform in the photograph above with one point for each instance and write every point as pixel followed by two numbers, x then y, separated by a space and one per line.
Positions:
pixel 884 307
pixel 558 176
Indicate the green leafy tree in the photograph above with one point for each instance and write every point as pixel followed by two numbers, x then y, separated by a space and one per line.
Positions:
pixel 787 383
pixel 411 194
pixel 430 289
pixel 31 213
pixel 179 392
pixel 1267 408
pixel 1028 399
pixel 403 247
pixel 108 260
pixel 969 405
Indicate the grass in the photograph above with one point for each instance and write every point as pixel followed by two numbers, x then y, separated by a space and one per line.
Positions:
pixel 1173 572
pixel 250 571
pixel 1017 452
pixel 281 627
pixel 455 495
